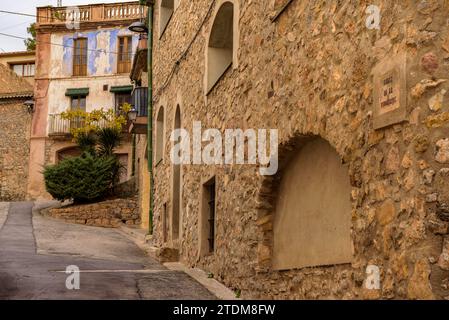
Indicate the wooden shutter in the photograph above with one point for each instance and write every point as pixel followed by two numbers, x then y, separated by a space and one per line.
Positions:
pixel 124 54
pixel 80 57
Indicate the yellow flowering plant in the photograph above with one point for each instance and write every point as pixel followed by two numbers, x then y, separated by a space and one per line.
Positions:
pixel 92 122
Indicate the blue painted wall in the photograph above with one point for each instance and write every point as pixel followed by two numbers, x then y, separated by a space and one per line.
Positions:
pixel 102 58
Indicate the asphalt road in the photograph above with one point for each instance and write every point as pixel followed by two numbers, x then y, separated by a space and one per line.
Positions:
pixel 35 252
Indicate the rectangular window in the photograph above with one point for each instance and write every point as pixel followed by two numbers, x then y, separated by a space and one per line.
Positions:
pixel 24 69
pixel 78 103
pixel 80 57
pixel 124 54
pixel 121 99
pixel 208 217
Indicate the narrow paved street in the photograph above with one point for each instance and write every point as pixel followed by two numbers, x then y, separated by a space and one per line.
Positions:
pixel 35 251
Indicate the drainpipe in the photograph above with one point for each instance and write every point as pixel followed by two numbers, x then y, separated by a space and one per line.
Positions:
pixel 150 4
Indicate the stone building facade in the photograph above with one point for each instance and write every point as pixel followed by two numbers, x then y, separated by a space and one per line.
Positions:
pixel 363 109
pixel 83 60
pixel 15 124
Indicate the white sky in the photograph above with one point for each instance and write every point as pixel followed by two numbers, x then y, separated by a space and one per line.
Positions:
pixel 17 25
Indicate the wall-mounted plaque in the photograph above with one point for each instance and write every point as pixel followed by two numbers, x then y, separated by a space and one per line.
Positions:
pixel 390 91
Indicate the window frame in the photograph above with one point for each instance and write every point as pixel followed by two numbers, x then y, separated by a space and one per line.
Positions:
pixel 208 217
pixel 79 98
pixel 124 65
pixel 116 100
pixel 80 68
pixel 210 85
pixel 23 65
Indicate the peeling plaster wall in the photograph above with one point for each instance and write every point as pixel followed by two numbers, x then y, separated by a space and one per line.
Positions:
pixel 102 52
pixel 97 98
pixel 101 69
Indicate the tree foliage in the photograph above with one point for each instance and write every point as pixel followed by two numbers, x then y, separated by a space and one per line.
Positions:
pixel 82 179
pixel 97 119
pixel 94 174
pixel 30 42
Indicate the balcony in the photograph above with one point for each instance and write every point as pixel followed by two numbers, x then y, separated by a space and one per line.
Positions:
pixel 140 103
pixel 61 128
pixel 90 13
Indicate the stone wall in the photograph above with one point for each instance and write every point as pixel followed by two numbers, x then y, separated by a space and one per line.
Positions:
pixel 309 73
pixel 15 123
pixel 108 214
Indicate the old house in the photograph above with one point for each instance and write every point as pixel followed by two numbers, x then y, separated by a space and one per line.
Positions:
pixel 362 116
pixel 15 124
pixel 83 60
pixel 21 62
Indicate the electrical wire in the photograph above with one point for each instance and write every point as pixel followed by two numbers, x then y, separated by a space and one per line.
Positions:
pixel 23 14
pixel 58 44
pixel 15 25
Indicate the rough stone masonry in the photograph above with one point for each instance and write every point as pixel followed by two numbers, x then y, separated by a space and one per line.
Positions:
pixel 309 72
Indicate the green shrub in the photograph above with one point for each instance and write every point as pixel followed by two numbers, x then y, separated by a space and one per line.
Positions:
pixel 83 179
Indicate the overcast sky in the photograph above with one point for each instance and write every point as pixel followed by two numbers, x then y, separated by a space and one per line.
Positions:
pixel 17 25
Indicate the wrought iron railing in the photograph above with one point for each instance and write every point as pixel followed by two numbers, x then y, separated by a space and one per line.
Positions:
pixel 60 126
pixel 140 101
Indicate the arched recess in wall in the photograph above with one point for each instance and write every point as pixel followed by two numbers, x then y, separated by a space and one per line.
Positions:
pixel 160 134
pixel 69 152
pixel 221 51
pixel 312 215
pixel 176 196
pixel 166 10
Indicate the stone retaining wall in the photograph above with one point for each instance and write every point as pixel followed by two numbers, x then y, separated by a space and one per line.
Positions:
pixel 14 150
pixel 108 214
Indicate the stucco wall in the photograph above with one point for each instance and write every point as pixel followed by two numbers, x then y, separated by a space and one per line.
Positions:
pixel 309 73
pixel 97 98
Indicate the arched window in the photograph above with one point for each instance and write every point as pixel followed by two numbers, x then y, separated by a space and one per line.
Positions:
pixel 165 13
pixel 221 51
pixel 176 186
pixel 160 133
pixel 312 222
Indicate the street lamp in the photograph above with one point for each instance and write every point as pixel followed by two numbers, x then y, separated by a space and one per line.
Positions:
pixel 132 114
pixel 30 105
pixel 138 27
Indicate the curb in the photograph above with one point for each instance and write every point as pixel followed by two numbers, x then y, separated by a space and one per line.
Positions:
pixel 141 239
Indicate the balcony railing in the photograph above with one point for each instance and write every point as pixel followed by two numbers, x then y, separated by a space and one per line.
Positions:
pixel 83 14
pixel 63 127
pixel 140 101
pixel 123 11
pixel 90 13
